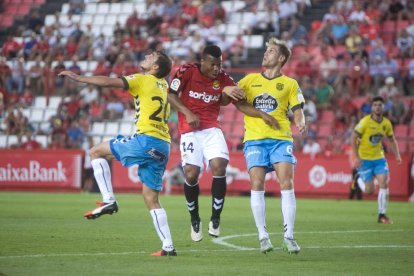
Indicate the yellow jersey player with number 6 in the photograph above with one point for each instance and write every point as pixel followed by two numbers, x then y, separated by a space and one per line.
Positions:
pixel 267 148
pixel 149 147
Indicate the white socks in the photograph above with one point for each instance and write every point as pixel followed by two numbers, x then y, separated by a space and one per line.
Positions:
pixel 102 174
pixel 288 206
pixel 258 206
pixel 361 184
pixel 382 200
pixel 159 218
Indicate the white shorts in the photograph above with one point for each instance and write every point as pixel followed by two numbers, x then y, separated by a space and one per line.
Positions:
pixel 201 146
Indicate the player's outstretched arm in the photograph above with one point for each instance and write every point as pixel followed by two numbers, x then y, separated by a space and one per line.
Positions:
pixel 232 93
pixel 94 80
pixel 178 105
pixel 251 111
pixel 395 149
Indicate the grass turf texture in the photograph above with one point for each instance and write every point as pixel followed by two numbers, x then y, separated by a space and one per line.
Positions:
pixel 45 234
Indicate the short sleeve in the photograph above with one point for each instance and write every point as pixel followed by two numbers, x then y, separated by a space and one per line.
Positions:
pixel 296 98
pixel 134 83
pixel 182 75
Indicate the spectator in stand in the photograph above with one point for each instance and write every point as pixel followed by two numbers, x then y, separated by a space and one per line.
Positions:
pixel 376 68
pixel 391 67
pixel 287 10
pixel 5 72
pixel 298 32
pixel 17 76
pixel 303 67
pixel 35 77
pixel 2 103
pixel 357 75
pixel 75 135
pixel 238 50
pixel 353 42
pixel 311 147
pixel 358 14
pixel 396 11
pixel 31 143
pixel 377 49
pixel 26 99
pixel 96 110
pixel 10 47
pixel 308 88
pixel 328 69
pixel 114 109
pixel 89 94
pixel 405 44
pixel 339 30
pixel 409 78
pixel 389 89
pixel 332 15
pixel 76 6
pixel 365 107
pixel 398 112
pixel 310 111
pixel 324 94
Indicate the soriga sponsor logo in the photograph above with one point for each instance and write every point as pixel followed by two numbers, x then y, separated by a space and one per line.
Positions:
pixel 318 176
pixel 33 172
pixel 205 97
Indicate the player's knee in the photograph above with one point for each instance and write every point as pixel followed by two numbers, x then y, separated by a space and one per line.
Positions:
pixel 94 153
pixel 369 189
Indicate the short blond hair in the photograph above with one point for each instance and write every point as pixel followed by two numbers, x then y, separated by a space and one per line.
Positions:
pixel 283 47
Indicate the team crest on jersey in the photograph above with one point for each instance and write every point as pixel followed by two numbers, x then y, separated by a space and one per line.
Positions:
pixel 265 102
pixel 216 85
pixel 280 86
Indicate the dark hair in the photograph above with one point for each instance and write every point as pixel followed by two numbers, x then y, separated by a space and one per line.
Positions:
pixel 212 50
pixel 164 65
pixel 378 99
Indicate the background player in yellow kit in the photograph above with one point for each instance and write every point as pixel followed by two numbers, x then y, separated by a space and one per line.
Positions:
pixel 370 154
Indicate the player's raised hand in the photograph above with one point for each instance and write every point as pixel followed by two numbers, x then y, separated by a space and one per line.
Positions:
pixel 234 92
pixel 270 120
pixel 70 75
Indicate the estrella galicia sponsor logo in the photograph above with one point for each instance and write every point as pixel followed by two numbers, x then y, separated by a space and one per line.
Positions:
pixel 280 86
pixel 375 139
pixel 265 102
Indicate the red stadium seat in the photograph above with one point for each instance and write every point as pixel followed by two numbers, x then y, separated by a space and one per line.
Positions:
pixel 359 101
pixel 12 9
pixel 403 145
pixel 327 117
pixel 402 24
pixel 6 21
pixel 23 9
pixel 401 131
pixel 411 132
pixel 325 130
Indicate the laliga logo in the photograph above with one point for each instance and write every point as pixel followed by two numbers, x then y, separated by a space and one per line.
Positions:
pixel 317 176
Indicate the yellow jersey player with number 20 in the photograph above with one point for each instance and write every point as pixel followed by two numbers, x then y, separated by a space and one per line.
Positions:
pixel 149 147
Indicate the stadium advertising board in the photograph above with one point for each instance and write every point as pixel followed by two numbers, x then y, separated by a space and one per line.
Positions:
pixel 41 169
pixel 313 176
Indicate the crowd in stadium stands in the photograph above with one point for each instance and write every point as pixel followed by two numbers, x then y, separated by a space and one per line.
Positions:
pixel 357 50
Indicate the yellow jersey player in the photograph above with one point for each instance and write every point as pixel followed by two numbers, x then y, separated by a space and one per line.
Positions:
pixel 267 148
pixel 149 147
pixel 369 153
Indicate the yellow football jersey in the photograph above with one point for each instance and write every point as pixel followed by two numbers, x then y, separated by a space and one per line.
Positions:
pixel 371 133
pixel 151 107
pixel 273 96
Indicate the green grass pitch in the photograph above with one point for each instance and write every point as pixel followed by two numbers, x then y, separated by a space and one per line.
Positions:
pixel 46 234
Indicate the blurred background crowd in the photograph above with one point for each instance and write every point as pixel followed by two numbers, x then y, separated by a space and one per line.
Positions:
pixel 344 53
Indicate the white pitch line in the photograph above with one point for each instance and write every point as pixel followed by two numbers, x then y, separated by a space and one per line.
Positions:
pixel 221 240
pixel 231 247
